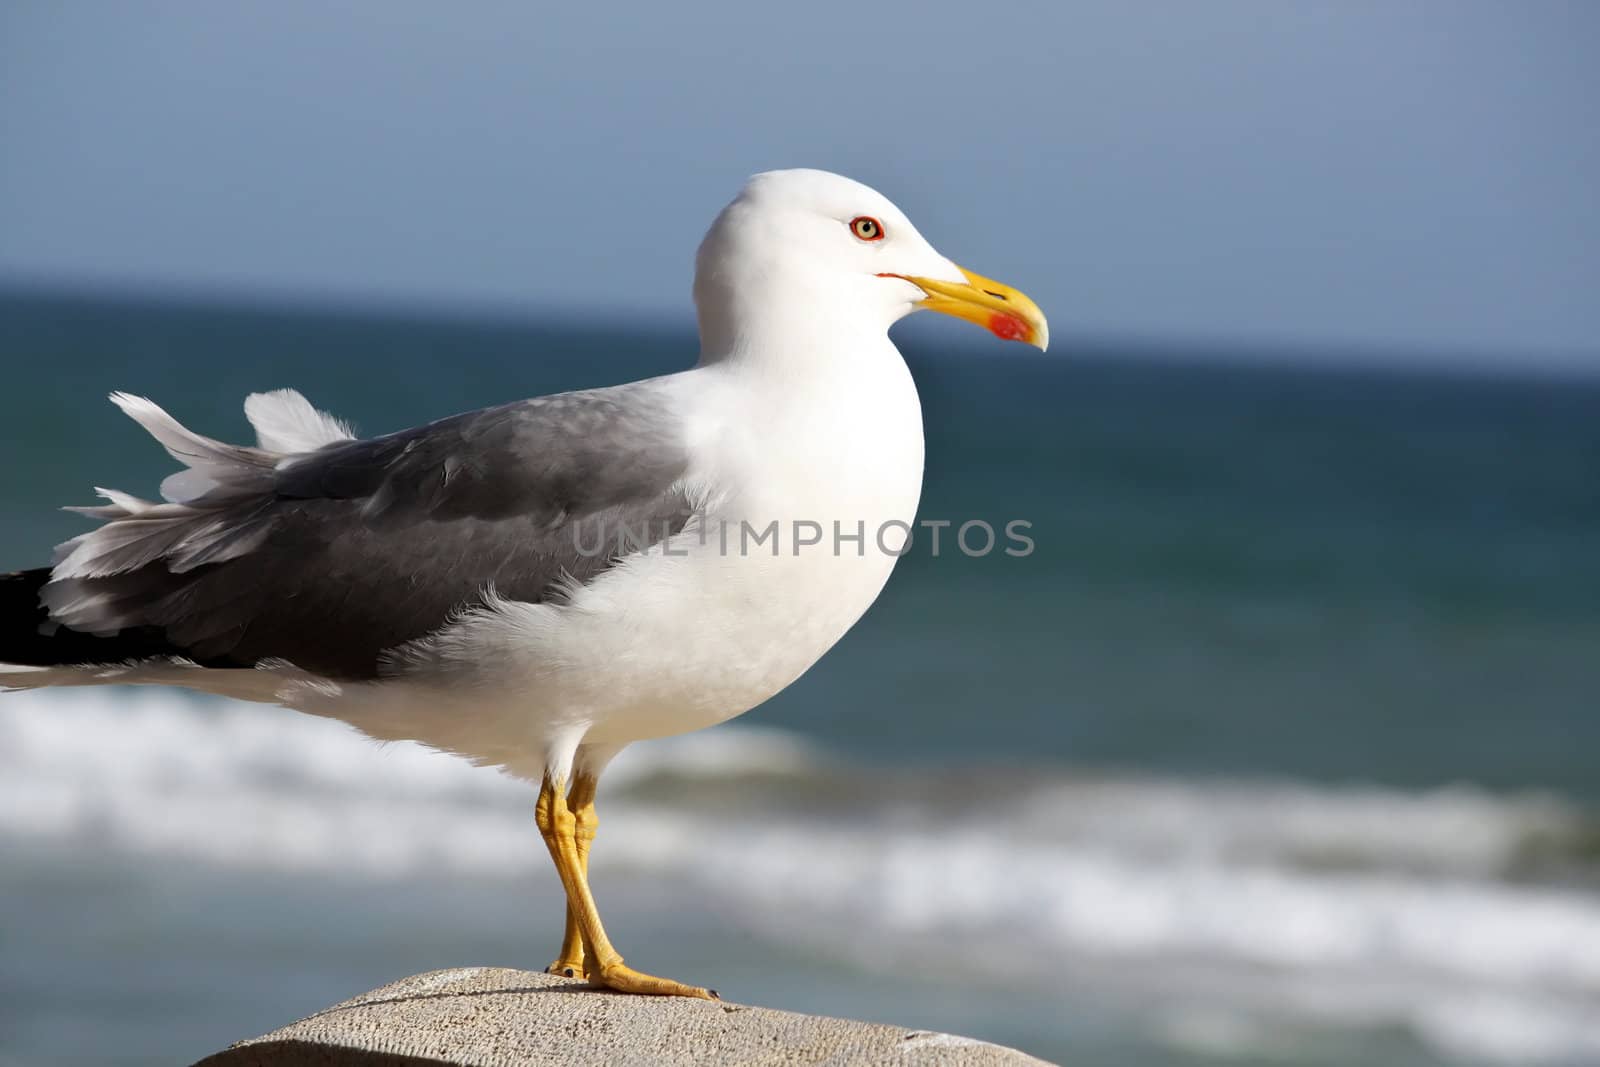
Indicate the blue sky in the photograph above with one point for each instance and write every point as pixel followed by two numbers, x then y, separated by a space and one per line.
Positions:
pixel 1417 177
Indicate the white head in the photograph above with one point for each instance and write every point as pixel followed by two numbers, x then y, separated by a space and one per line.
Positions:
pixel 807 244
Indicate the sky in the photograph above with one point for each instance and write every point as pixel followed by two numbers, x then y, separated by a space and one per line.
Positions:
pixel 1419 177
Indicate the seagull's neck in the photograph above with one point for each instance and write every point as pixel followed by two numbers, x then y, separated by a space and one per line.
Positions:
pixel 814 406
pixel 796 334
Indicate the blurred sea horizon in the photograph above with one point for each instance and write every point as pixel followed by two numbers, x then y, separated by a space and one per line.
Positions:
pixel 1278 749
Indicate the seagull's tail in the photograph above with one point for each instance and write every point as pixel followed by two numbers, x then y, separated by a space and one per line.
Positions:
pixel 60 625
pixel 86 621
pixel 93 607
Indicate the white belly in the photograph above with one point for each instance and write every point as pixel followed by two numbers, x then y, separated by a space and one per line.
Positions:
pixel 738 629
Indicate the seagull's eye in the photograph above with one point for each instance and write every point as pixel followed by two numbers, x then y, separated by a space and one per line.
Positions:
pixel 867 228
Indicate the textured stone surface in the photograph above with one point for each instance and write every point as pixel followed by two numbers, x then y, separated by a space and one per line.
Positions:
pixel 492 1016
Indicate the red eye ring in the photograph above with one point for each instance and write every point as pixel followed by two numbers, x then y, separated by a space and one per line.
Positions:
pixel 866 228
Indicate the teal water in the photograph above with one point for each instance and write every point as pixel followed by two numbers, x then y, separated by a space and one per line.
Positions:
pixel 1365 601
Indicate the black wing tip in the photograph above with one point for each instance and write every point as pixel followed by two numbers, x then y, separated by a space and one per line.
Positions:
pixel 28 638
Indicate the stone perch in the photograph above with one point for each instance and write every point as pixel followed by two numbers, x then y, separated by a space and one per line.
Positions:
pixel 496 1017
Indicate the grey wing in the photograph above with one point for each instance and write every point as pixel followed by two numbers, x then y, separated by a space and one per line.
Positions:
pixel 330 558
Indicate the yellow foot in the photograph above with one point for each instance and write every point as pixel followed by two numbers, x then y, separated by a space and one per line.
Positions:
pixel 625 979
pixel 566 968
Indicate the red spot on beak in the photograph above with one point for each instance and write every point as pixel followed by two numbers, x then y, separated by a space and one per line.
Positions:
pixel 1007 327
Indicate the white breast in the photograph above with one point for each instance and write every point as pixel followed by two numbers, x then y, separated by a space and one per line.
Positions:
pixel 684 641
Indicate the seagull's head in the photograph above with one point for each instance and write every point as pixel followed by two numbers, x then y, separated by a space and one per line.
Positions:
pixel 826 244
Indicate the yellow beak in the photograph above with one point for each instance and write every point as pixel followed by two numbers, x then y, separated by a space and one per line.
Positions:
pixel 1000 309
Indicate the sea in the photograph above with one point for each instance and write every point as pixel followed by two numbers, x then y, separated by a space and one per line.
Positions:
pixel 1280 746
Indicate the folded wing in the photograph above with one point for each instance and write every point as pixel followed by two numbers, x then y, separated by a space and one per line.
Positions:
pixel 328 551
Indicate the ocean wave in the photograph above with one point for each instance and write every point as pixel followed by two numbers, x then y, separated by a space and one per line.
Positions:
pixel 146 770
pixel 1334 906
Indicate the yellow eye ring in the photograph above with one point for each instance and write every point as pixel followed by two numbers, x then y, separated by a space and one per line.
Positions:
pixel 866 228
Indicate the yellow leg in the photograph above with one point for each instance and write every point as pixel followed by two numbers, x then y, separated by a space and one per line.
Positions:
pixel 581 802
pixel 558 824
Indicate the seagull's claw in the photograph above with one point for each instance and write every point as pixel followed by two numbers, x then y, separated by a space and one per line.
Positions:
pixel 624 979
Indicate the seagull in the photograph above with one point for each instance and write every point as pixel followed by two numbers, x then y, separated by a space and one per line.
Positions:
pixel 536 585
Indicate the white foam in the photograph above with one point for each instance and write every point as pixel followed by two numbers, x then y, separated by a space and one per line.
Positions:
pixel 166 773
pixel 1460 830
